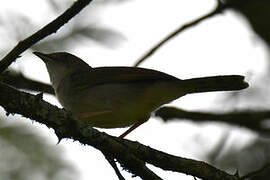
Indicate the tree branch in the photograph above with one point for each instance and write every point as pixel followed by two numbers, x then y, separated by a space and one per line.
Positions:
pixel 42 33
pixel 256 172
pixel 18 80
pixel 114 166
pixel 219 9
pixel 250 119
pixel 178 164
pixel 131 155
pixel 67 126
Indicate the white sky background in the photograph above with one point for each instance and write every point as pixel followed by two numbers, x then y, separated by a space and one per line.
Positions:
pixel 220 45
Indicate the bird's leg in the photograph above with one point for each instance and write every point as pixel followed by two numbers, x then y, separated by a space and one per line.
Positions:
pixel 134 126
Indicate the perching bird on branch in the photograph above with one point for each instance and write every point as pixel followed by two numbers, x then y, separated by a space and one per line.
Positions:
pixel 114 97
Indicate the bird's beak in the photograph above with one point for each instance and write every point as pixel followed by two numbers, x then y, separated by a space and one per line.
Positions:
pixel 43 57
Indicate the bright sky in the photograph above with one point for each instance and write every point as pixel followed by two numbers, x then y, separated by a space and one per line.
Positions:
pixel 220 45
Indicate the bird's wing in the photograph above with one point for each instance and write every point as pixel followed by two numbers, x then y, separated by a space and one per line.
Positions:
pixel 109 75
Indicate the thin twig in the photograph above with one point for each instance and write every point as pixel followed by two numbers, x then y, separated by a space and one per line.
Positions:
pixel 220 7
pixel 50 28
pixel 114 166
pixel 256 172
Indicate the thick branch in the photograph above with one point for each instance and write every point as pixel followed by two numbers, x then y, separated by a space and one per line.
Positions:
pixel 45 31
pixel 250 119
pixel 178 164
pixel 150 52
pixel 130 155
pixel 66 126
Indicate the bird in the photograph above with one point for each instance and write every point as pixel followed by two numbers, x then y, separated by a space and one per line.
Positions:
pixel 116 97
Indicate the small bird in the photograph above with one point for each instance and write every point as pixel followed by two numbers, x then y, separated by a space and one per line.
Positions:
pixel 114 97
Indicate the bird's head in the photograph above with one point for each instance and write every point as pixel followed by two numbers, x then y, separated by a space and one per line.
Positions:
pixel 61 64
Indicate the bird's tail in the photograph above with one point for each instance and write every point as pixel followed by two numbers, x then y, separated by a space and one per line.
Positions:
pixel 215 83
